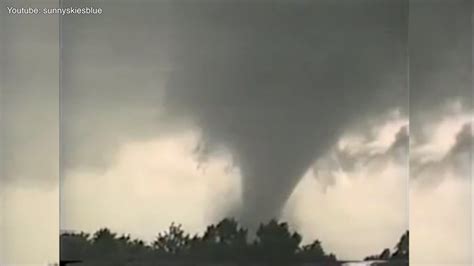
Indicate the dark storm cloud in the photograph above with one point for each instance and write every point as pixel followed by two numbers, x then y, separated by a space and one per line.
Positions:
pixel 375 160
pixel 274 83
pixel 402 138
pixel 29 89
pixel 113 71
pixel 440 43
pixel 29 97
pixel 440 73
pixel 463 141
pixel 456 162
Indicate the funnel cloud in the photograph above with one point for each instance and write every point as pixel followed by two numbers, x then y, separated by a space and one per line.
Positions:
pixel 277 84
pixel 273 84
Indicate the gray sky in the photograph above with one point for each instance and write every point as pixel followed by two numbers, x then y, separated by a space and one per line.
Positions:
pixel 29 216
pixel 270 86
pixel 441 132
pixel 176 102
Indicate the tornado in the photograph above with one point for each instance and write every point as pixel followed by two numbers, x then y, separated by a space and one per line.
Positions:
pixel 275 83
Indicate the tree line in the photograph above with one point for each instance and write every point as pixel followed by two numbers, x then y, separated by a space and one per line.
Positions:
pixel 399 256
pixel 225 243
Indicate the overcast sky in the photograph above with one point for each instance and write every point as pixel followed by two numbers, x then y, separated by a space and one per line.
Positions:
pixel 441 132
pixel 293 110
pixel 440 195
pixel 268 88
pixel 29 216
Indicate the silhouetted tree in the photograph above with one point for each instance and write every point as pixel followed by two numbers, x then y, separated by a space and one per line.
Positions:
pixel 385 255
pixel 105 249
pixel 225 242
pixel 132 249
pixel 275 243
pixel 402 247
pixel 313 251
pixel 138 250
pixel 74 246
pixel 174 241
pixel 399 257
